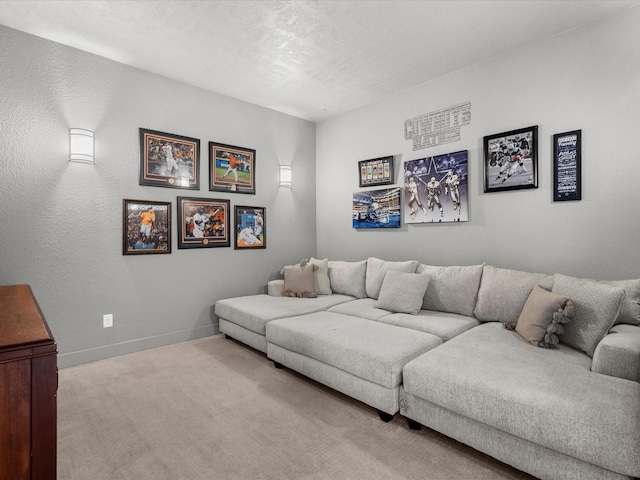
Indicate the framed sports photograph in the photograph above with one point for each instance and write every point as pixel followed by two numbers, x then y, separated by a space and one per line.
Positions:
pixel 567 166
pixel 168 160
pixel 231 169
pixel 146 227
pixel 436 189
pixel 203 222
pixel 378 171
pixel 511 160
pixel 251 227
pixel 376 208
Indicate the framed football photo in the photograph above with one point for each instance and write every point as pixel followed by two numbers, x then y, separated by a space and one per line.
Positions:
pixel 511 160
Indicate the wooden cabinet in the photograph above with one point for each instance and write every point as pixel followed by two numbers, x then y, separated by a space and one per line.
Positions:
pixel 28 386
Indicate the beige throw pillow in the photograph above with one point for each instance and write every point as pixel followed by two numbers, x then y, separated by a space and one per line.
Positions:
pixel 299 281
pixel 538 314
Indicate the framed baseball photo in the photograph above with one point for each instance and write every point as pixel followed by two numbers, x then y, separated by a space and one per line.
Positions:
pixel 251 227
pixel 168 160
pixel 378 171
pixel 511 160
pixel 231 169
pixel 146 227
pixel 203 223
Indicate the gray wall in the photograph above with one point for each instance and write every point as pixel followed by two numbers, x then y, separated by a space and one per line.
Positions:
pixel 61 223
pixel 585 79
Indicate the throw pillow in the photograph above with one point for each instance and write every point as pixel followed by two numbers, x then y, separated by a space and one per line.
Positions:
pixel 630 309
pixel 321 275
pixel 376 270
pixel 451 289
pixel 543 317
pixel 402 292
pixel 503 293
pixel 299 281
pixel 596 308
pixel 347 278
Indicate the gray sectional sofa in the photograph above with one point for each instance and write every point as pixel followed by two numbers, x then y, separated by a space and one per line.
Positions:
pixel 430 343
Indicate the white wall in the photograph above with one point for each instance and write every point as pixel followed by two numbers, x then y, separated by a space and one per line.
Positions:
pixel 587 79
pixel 61 223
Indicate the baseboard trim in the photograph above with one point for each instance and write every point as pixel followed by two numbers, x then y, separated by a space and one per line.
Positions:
pixel 131 346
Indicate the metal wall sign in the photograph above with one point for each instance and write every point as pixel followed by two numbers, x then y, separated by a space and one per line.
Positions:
pixel 439 127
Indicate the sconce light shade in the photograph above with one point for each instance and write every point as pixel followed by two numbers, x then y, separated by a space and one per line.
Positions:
pixel 285 176
pixel 81 145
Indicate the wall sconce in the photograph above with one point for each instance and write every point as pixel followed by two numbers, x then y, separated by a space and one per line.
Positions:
pixel 81 145
pixel 285 176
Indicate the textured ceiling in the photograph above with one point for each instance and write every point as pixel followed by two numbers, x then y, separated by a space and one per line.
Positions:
pixel 310 59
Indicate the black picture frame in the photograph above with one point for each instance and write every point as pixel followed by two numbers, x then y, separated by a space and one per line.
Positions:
pixel 146 227
pixel 203 222
pixel 169 160
pixel 250 227
pixel 232 169
pixel 511 160
pixel 377 171
pixel 567 166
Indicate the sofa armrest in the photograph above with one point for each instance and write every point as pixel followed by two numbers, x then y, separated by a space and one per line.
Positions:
pixel 275 288
pixel 618 354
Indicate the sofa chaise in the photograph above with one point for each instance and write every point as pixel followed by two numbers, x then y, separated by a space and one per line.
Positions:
pixel 556 394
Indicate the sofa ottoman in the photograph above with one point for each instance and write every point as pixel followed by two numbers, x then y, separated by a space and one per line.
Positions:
pixel 358 357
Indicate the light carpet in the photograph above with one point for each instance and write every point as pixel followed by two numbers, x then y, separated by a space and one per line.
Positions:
pixel 215 409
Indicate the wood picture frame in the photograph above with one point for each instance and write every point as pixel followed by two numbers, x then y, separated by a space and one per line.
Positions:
pixel 567 166
pixel 203 222
pixel 511 160
pixel 250 227
pixel 169 160
pixel 377 171
pixel 232 169
pixel 146 227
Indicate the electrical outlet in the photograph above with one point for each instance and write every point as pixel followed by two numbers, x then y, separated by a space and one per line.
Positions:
pixel 107 320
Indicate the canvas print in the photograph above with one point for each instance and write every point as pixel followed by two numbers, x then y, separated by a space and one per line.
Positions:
pixel 168 160
pixel 231 169
pixel 511 160
pixel 203 222
pixel 436 189
pixel 251 231
pixel 146 227
pixel 376 208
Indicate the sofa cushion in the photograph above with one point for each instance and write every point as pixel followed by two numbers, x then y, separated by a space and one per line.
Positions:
pixel 363 308
pixel 618 354
pixel 348 278
pixel 503 293
pixel 547 396
pixel 630 309
pixel 451 289
pixel 596 308
pixel 442 324
pixel 370 350
pixel 402 292
pixel 253 312
pixel 321 276
pixel 299 281
pixel 376 270
pixel 537 315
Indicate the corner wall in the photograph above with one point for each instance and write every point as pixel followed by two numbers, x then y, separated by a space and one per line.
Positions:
pixel 61 223
pixel 583 79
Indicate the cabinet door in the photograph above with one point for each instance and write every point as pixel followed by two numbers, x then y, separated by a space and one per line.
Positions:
pixel 15 420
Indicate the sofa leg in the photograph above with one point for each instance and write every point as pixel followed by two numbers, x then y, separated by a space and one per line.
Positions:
pixel 384 416
pixel 277 364
pixel 413 425
pixel 227 337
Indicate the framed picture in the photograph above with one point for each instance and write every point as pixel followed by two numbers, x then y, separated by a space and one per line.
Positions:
pixel 168 160
pixel 378 171
pixel 567 166
pixel 436 189
pixel 511 160
pixel 231 169
pixel 146 227
pixel 251 228
pixel 376 208
pixel 203 223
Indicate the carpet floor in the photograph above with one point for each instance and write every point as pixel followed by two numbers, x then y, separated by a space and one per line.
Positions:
pixel 213 408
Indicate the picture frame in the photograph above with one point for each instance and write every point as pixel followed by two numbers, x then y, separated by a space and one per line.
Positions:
pixel 169 160
pixel 250 227
pixel 377 171
pixel 378 208
pixel 567 166
pixel 511 160
pixel 231 169
pixel 146 227
pixel 203 222
pixel 436 189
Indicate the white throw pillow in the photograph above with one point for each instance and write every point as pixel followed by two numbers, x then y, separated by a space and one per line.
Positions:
pixel 402 292
pixel 451 289
pixel 376 270
pixel 323 284
pixel 347 278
